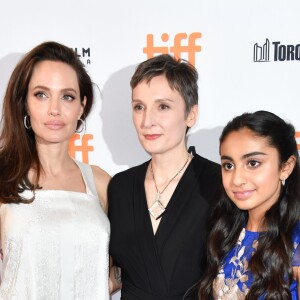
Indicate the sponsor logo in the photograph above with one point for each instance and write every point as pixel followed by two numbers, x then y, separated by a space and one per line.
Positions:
pixel 182 46
pixel 80 143
pixel 297 136
pixel 275 51
pixel 261 53
pixel 84 54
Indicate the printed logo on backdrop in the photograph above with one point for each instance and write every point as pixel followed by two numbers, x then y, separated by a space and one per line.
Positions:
pixel 84 54
pixel 297 136
pixel 275 52
pixel 80 144
pixel 181 45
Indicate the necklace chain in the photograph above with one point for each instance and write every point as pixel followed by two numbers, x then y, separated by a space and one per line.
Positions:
pixel 152 173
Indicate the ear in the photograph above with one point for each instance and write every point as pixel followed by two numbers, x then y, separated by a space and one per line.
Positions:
pixel 192 116
pixel 288 167
pixel 82 106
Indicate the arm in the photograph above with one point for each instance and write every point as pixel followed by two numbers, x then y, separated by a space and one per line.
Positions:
pixel 115 282
pixel 296 272
pixel 101 181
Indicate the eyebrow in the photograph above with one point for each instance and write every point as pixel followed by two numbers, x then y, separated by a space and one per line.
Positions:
pixel 244 156
pixel 157 100
pixel 164 99
pixel 47 89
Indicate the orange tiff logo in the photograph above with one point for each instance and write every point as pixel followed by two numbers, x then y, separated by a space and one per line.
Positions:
pixel 80 143
pixel 178 47
pixel 297 135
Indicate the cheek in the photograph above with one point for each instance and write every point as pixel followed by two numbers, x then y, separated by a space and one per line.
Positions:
pixel 225 177
pixel 267 183
pixel 34 113
pixel 226 181
pixel 135 120
pixel 31 109
pixel 267 176
pixel 72 113
pixel 176 125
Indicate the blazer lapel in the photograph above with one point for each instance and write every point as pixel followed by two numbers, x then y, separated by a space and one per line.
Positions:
pixel 144 233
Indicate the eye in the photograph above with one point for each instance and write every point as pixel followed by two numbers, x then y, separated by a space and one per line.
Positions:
pixel 163 106
pixel 253 163
pixel 138 107
pixel 40 95
pixel 68 97
pixel 227 166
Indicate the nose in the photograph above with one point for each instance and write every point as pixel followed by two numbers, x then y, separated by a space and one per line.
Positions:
pixel 239 177
pixel 54 107
pixel 148 118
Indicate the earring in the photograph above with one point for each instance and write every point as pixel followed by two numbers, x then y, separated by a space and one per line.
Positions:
pixel 82 126
pixel 283 181
pixel 26 122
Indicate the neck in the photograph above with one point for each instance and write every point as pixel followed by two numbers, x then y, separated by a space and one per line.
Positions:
pixel 162 183
pixel 54 158
pixel 255 223
pixel 166 166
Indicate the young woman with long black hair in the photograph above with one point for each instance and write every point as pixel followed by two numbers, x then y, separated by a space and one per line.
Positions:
pixel 253 246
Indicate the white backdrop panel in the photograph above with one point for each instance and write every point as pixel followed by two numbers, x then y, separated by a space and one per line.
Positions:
pixel 110 37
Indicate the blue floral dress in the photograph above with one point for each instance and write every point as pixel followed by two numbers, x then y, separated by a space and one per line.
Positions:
pixel 234 279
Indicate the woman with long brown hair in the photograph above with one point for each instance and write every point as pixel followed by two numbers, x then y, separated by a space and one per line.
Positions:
pixel 54 229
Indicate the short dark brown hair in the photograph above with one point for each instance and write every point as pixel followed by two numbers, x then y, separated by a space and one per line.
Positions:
pixel 181 75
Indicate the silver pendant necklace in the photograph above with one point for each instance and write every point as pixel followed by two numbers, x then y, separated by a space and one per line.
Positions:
pixel 157 208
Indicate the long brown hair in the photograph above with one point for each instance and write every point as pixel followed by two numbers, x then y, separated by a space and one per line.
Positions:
pixel 18 153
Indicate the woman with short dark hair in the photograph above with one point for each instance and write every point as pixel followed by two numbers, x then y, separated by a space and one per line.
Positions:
pixel 158 210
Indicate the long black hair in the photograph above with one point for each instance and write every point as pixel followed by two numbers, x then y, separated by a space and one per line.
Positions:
pixel 271 263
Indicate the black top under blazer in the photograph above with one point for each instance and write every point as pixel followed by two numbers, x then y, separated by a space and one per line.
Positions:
pixel 165 265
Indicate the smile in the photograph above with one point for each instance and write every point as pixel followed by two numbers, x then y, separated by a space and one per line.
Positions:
pixel 243 195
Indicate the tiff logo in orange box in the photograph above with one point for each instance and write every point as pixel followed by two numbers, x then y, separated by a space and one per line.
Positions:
pixel 183 43
pixel 297 136
pixel 80 143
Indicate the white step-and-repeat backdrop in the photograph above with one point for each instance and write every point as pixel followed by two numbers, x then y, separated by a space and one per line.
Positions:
pixel 247 54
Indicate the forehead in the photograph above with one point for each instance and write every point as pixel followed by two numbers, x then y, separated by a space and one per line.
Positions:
pixel 53 72
pixel 245 141
pixel 157 88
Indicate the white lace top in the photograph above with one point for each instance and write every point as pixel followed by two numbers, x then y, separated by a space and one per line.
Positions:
pixel 57 246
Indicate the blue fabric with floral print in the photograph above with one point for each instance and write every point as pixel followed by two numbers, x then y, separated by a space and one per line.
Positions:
pixel 234 279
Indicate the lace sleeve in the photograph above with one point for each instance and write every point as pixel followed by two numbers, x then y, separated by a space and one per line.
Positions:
pixel 296 241
pixel 296 257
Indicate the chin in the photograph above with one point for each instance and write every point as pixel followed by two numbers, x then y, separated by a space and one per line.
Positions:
pixel 154 151
pixel 52 140
pixel 150 150
pixel 243 207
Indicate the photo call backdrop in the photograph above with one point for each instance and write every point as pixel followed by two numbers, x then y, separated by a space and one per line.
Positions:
pixel 247 54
